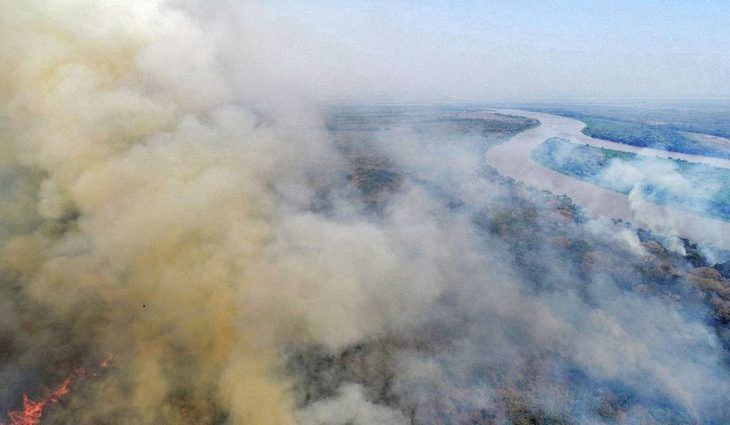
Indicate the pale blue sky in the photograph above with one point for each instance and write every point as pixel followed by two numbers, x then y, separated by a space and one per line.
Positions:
pixel 519 50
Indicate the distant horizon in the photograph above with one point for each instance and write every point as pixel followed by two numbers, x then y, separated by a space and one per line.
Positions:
pixel 517 51
pixel 626 101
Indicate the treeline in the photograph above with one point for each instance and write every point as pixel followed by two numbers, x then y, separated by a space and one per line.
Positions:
pixel 647 136
pixel 663 136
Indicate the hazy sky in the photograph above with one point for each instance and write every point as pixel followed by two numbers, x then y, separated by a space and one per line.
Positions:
pixel 516 50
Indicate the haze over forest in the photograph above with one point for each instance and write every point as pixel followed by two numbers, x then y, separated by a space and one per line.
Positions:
pixel 364 213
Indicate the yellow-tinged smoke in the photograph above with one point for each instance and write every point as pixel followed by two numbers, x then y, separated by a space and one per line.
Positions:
pixel 154 208
pixel 146 228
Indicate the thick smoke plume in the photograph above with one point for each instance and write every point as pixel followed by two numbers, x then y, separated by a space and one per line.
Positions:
pixel 152 217
pixel 168 199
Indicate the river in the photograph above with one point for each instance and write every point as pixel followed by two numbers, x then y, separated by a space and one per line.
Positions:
pixel 512 159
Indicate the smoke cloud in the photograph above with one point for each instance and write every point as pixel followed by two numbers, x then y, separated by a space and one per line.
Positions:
pixel 152 223
pixel 171 200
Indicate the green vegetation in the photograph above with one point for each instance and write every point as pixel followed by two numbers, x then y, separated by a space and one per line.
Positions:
pixel 710 186
pixel 638 134
pixel 669 130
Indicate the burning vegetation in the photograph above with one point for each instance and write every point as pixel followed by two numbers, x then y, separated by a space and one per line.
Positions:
pixel 252 259
pixel 33 409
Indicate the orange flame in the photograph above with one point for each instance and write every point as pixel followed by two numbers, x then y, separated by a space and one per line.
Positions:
pixel 106 361
pixel 32 410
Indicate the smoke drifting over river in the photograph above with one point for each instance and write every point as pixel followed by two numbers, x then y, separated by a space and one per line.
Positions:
pixel 170 197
